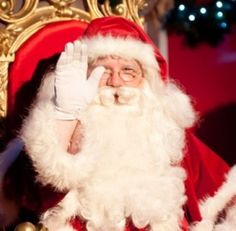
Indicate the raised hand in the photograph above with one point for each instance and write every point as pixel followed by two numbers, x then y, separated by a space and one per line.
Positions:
pixel 74 89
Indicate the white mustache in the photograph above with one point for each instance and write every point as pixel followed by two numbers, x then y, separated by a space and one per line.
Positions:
pixel 123 95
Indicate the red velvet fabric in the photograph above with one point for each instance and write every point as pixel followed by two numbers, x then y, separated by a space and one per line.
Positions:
pixel 208 75
pixel 205 173
pixel 23 77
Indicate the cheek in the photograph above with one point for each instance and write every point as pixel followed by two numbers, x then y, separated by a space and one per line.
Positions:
pixel 136 83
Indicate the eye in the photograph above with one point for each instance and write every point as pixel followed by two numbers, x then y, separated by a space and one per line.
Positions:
pixel 127 74
pixel 128 71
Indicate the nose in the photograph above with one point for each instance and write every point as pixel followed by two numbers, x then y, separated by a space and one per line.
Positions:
pixel 115 80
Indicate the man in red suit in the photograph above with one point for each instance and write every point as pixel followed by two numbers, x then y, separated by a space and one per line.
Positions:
pixel 108 147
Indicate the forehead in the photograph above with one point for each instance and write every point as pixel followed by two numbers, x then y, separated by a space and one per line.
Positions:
pixel 111 59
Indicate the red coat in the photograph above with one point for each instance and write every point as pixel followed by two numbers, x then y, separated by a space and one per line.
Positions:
pixel 205 173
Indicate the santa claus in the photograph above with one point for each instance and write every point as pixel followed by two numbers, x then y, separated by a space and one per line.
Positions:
pixel 108 144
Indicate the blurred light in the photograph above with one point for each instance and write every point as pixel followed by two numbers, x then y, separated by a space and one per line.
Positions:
pixel 223 25
pixel 219 4
pixel 191 17
pixel 181 7
pixel 219 14
pixel 203 10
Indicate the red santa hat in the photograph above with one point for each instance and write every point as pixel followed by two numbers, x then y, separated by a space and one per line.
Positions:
pixel 124 38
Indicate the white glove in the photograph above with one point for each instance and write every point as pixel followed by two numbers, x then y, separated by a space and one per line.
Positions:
pixel 74 91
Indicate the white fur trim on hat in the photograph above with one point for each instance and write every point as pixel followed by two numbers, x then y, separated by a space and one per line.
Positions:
pixel 127 48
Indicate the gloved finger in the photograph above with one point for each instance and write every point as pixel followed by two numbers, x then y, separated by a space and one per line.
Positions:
pixel 62 59
pixel 95 77
pixel 84 53
pixel 77 50
pixel 69 50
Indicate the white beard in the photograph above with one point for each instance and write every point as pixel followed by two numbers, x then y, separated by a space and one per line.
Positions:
pixel 137 174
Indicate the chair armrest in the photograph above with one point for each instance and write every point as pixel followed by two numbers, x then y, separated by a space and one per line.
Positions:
pixel 27 226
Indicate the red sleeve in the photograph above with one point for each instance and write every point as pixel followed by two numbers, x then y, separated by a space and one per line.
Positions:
pixel 205 173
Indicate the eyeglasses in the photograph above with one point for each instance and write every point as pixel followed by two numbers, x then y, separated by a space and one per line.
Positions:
pixel 127 74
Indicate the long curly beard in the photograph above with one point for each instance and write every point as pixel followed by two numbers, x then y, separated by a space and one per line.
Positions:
pixel 137 175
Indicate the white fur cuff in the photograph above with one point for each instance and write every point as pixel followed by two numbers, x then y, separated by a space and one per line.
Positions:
pixel 53 164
